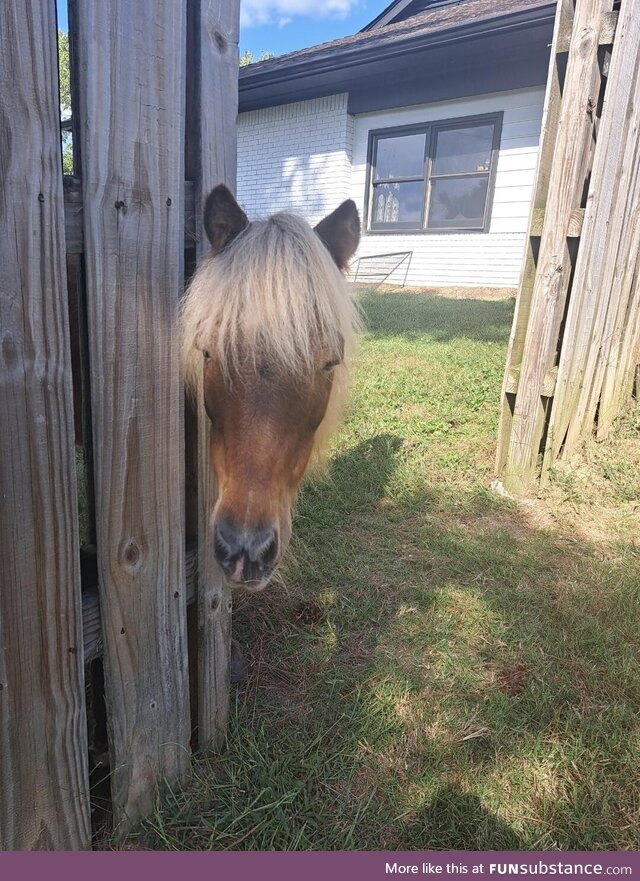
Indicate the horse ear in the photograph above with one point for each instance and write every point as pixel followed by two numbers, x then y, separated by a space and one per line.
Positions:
pixel 340 233
pixel 223 218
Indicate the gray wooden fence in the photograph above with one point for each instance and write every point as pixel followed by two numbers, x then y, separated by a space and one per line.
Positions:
pixel 155 102
pixel 575 343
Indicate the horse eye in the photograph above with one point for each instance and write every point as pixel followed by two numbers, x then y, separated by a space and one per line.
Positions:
pixel 207 356
pixel 330 365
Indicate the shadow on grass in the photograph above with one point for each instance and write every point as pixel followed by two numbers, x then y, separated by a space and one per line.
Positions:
pixel 454 816
pixel 412 316
pixel 438 673
pixel 356 480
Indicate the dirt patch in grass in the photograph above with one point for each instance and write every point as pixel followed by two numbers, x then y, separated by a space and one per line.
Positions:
pixel 309 613
pixel 513 679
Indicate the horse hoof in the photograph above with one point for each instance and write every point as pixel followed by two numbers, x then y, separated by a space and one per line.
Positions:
pixel 239 665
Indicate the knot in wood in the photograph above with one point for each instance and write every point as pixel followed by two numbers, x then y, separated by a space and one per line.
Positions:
pixel 131 555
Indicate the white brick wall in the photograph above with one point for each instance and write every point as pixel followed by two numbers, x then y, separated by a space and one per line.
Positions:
pixel 295 157
pixel 310 156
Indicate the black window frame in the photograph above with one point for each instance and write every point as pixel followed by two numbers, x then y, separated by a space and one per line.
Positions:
pixel 430 130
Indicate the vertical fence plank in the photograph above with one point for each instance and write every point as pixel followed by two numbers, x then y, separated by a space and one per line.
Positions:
pixel 44 799
pixel 131 106
pixel 549 131
pixel 569 170
pixel 610 238
pixel 212 107
pixel 623 353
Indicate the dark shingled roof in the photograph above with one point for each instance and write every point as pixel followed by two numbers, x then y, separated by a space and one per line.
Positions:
pixel 431 21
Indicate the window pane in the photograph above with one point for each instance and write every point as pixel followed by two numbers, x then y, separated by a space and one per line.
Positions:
pixel 461 150
pixel 458 203
pixel 401 156
pixel 398 203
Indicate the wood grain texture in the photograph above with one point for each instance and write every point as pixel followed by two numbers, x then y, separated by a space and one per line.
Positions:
pixel 74 221
pixel 212 106
pixel 569 170
pixel 598 317
pixel 131 104
pixel 551 115
pixel 91 620
pixel 622 354
pixel 44 797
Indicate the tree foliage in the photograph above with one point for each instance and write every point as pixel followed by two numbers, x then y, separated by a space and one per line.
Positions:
pixel 63 64
pixel 64 73
pixel 247 57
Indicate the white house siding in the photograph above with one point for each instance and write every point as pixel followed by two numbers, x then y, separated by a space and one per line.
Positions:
pixel 295 157
pixel 309 156
pixel 472 258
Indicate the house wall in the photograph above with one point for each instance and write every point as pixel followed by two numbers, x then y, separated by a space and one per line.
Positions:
pixel 295 157
pixel 309 156
pixel 468 258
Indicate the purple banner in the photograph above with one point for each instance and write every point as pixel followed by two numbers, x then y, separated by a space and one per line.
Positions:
pixel 312 866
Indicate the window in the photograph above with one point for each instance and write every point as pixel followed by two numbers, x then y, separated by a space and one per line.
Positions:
pixel 434 177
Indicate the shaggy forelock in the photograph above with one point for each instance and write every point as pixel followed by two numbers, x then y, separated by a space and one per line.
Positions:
pixel 272 295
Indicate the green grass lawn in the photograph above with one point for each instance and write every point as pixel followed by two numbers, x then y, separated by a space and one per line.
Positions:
pixel 439 667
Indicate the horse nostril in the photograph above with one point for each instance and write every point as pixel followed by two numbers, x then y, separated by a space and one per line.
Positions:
pixel 269 551
pixel 225 545
pixel 245 555
pixel 262 546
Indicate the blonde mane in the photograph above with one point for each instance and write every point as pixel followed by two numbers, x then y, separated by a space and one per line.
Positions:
pixel 274 294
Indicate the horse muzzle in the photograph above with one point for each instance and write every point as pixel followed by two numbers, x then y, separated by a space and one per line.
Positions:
pixel 246 556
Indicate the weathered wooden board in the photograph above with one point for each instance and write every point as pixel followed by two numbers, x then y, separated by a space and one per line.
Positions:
pixel 92 623
pixel 623 353
pixel 44 793
pixel 74 222
pixel 554 263
pixel 552 107
pixel 212 105
pixel 597 314
pixel 131 104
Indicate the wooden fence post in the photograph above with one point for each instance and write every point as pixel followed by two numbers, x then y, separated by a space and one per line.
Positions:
pixel 212 106
pixel 575 341
pixel 44 787
pixel 598 317
pixel 548 134
pixel 524 421
pixel 131 56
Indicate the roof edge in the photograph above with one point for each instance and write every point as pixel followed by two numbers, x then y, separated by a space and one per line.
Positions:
pixel 263 74
pixel 385 12
pixel 396 8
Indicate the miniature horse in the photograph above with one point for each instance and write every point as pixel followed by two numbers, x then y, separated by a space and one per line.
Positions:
pixel 267 326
